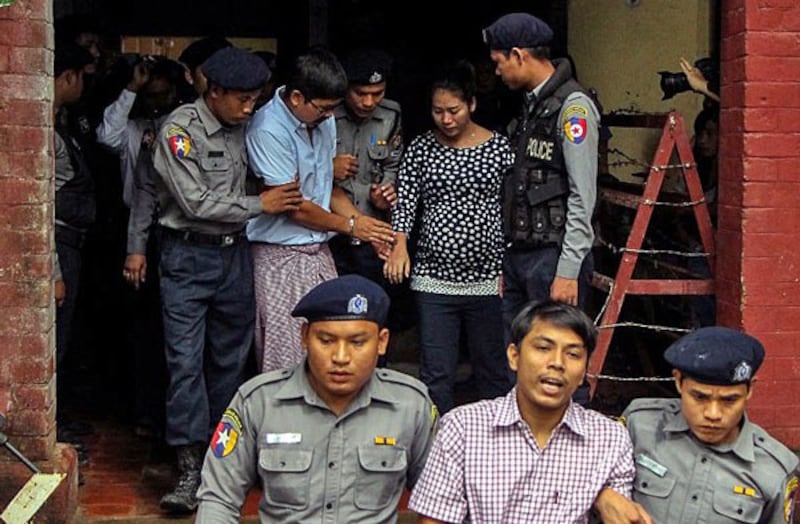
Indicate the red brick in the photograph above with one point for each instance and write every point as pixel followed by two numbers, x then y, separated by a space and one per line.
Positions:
pixel 30 371
pixel 4 59
pixel 772 95
pixel 784 68
pixel 771 220
pixel 772 19
pixel 21 139
pixel 34 293
pixel 24 191
pixel 774 290
pixel 786 121
pixel 25 320
pixel 32 422
pixel 775 195
pixel 780 344
pixel 30 222
pixel 759 169
pixel 761 415
pixel 768 244
pixel 788 436
pixel 35 164
pixel 20 112
pixel 728 314
pixel 24 33
pixel 31 60
pixel 733 44
pixel 769 319
pixel 26 86
pixel 787 169
pixel 729 217
pixel 771 145
pixel 773 43
pixel 39 397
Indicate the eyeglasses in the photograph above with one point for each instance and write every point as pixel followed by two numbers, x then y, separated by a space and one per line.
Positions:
pixel 321 110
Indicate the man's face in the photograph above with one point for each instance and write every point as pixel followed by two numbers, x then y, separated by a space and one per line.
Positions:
pixel 550 363
pixel 508 67
pixel 713 412
pixel 362 100
pixel 232 107
pixel 159 95
pixel 342 354
pixel 90 42
pixel 312 111
pixel 72 85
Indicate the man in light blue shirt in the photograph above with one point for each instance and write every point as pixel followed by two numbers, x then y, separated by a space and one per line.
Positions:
pixel 293 137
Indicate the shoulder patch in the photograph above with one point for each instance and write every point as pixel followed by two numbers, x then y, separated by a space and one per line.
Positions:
pixel 179 142
pixel 574 123
pixel 396 377
pixel 226 436
pixel 790 507
pixel 783 455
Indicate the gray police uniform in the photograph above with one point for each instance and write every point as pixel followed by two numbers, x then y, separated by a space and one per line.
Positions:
pixel 315 466
pixel 681 480
pixel 378 143
pixel 206 273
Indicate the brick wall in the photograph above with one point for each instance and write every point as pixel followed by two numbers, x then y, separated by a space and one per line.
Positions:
pixel 27 379
pixel 758 281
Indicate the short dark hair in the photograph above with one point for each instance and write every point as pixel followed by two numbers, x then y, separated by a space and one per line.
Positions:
pixel 318 74
pixel 559 314
pixel 69 56
pixel 458 78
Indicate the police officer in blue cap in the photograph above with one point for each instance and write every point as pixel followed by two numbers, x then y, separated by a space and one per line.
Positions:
pixel 206 272
pixel 550 193
pixel 699 458
pixel 332 439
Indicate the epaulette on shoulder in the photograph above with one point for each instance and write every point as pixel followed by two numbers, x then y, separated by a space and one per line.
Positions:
pixel 391 105
pixel 783 455
pixel 263 379
pixel 396 377
pixel 183 116
pixel 671 405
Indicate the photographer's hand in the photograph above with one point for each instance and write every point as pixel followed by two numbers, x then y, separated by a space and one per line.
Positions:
pixel 697 81
pixel 141 74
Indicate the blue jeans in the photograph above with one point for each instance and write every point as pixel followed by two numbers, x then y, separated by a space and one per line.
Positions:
pixel 442 319
pixel 528 275
pixel 208 308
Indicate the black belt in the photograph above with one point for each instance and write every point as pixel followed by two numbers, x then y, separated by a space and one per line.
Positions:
pixel 204 239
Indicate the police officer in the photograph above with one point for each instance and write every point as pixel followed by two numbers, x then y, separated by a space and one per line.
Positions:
pixel 550 193
pixel 369 145
pixel 205 268
pixel 699 458
pixel 331 440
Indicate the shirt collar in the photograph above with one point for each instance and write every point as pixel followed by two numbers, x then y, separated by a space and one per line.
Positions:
pixel 210 122
pixel 298 386
pixel 286 112
pixel 743 445
pixel 508 414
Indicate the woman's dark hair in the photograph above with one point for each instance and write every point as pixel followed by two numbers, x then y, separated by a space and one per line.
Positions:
pixel 559 314
pixel 458 78
pixel 318 74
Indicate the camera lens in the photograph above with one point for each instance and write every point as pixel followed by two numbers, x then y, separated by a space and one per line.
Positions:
pixel 673 83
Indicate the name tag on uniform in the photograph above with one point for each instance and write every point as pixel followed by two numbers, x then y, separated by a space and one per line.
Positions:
pixel 284 438
pixel 652 465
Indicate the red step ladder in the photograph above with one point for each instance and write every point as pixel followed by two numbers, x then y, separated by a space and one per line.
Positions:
pixel 673 137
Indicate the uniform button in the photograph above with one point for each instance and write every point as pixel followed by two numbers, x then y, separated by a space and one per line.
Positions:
pixel 694 497
pixel 703 460
pixel 331 464
pixel 644 484
pixel 739 511
pixel 383 463
pixel 328 505
pixel 283 463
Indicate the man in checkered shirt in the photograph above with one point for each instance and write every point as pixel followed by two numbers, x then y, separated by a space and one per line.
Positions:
pixel 533 455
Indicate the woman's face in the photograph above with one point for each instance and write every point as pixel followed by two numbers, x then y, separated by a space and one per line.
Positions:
pixel 451 113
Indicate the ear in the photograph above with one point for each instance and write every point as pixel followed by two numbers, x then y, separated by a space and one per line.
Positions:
pixel 296 98
pixel 518 53
pixel 750 389
pixel 383 341
pixel 304 336
pixel 473 104
pixel 678 379
pixel 187 74
pixel 512 352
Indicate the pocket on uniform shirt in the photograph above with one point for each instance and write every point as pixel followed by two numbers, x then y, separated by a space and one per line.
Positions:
pixel 287 476
pixel 649 484
pixel 380 474
pixel 737 507
pixel 216 163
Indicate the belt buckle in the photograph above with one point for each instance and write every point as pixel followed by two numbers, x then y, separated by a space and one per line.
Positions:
pixel 228 240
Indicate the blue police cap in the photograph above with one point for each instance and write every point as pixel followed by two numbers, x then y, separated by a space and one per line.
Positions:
pixel 367 66
pixel 517 30
pixel 716 355
pixel 237 69
pixel 351 297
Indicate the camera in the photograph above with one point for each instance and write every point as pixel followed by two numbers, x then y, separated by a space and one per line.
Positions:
pixel 674 83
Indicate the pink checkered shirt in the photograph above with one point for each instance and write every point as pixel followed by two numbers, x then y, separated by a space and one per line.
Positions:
pixel 485 466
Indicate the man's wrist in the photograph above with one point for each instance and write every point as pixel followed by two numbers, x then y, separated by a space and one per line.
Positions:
pixel 351 224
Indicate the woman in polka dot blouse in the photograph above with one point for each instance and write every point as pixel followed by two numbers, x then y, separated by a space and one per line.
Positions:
pixel 450 180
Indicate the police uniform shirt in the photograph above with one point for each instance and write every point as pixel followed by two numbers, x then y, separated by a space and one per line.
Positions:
pixel 378 143
pixel 202 166
pixel 313 465
pixel 579 131
pixel 681 480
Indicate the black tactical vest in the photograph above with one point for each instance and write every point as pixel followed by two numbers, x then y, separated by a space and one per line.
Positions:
pixel 535 199
pixel 75 200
